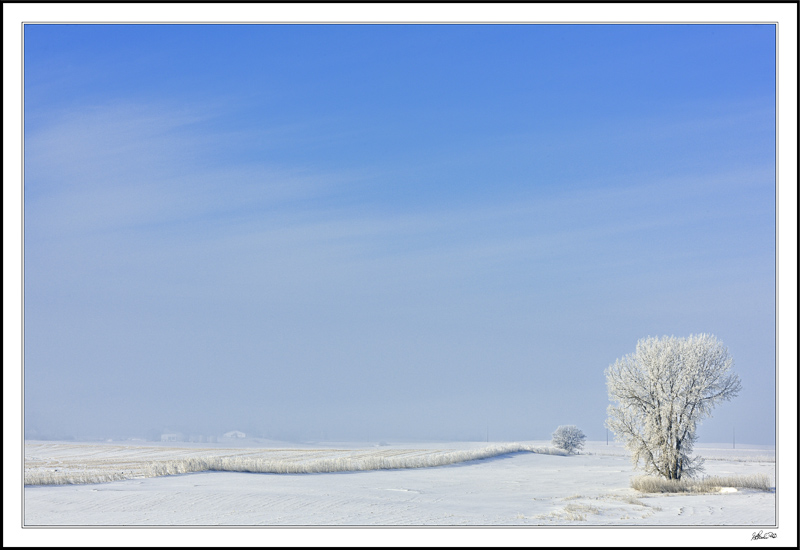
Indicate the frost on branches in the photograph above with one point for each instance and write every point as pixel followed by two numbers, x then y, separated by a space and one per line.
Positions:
pixel 661 392
pixel 569 438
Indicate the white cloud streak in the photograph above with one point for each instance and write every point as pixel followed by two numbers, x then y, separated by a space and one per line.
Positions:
pixel 138 234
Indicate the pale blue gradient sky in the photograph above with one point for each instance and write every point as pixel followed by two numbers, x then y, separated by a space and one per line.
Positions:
pixel 388 231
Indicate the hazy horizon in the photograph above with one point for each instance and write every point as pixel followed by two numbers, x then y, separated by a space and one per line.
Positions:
pixel 367 232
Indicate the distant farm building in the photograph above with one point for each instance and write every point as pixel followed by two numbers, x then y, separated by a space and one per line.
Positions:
pixel 169 437
pixel 235 434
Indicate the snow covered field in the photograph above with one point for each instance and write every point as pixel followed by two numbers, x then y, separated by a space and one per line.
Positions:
pixel 512 487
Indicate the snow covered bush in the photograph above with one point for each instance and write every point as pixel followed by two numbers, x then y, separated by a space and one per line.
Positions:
pixel 661 392
pixel 569 438
pixel 654 484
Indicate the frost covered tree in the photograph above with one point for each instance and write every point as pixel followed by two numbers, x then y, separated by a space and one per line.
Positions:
pixel 661 392
pixel 569 438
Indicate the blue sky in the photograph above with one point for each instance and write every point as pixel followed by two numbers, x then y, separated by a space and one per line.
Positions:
pixel 390 231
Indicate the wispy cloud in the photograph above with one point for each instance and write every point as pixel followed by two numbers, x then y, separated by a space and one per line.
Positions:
pixel 144 233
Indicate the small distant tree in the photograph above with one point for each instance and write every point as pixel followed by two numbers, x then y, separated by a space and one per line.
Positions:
pixel 661 392
pixel 568 438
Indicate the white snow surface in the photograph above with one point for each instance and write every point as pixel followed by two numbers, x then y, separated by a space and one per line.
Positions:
pixel 513 488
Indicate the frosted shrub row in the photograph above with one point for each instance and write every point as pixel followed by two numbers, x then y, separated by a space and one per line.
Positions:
pixel 654 484
pixel 49 477
pixel 370 461
pixel 340 464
